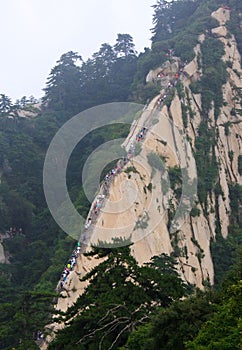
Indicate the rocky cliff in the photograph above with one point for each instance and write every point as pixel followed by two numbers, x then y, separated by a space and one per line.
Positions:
pixel 156 203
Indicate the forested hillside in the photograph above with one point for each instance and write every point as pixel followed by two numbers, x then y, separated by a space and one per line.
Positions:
pixel 125 306
pixel 35 256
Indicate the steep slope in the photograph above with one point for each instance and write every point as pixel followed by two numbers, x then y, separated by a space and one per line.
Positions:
pixel 139 205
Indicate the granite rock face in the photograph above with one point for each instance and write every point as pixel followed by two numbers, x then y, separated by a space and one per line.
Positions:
pixel 140 199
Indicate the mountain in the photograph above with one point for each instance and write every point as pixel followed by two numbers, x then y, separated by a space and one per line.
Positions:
pixel 206 145
pixel 192 144
pixel 165 224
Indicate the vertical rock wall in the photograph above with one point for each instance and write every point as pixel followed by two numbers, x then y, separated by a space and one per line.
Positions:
pixel 142 212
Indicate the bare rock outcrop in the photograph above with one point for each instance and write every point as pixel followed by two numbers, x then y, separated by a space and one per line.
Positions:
pixel 140 201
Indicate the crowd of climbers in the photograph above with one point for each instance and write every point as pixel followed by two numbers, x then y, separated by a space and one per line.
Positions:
pixel 108 179
pixel 141 134
pixel 171 82
pixel 69 266
pixel 110 176
pixel 13 231
pixel 39 335
pixel 97 205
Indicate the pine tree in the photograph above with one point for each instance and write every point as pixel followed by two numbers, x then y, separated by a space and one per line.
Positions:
pixel 120 296
pixel 62 92
pixel 124 45
pixel 5 105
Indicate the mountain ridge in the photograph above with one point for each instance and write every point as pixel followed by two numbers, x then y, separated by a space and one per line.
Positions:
pixel 192 241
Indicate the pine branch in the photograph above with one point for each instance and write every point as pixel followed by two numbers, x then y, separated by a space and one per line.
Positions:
pixel 118 336
pixel 99 329
pixel 110 311
pixel 109 331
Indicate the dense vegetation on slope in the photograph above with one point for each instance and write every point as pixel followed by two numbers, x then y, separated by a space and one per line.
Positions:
pixel 208 320
pixel 139 308
pixel 37 255
pixel 120 296
pixel 27 283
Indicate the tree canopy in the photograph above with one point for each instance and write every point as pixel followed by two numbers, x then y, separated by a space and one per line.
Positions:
pixel 125 305
pixel 120 296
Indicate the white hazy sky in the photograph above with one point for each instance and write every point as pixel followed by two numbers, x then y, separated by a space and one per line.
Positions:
pixel 35 33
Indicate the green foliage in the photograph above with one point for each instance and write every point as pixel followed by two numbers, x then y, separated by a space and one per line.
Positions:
pixel 75 85
pixel 231 155
pixel 214 74
pixel 226 128
pixel 223 250
pixel 5 105
pixel 177 24
pixel 169 98
pixel 180 89
pixel 120 296
pixel 235 195
pixel 37 257
pixel 175 177
pixel 120 292
pixel 195 212
pixel 144 93
pixel 173 326
pixel 240 164
pixel 21 321
pixel 124 46
pixel 108 75
pixel 146 61
pixel 196 87
pixel 205 320
pixel 62 92
pixel 170 17
pixel 140 339
pixel 223 330
pixel 234 23
pixel 131 169
pixel 207 167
